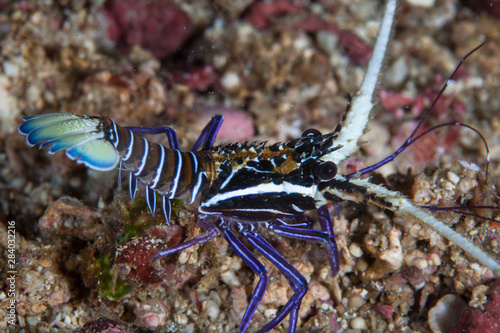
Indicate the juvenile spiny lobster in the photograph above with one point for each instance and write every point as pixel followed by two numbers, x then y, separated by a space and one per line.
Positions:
pixel 240 188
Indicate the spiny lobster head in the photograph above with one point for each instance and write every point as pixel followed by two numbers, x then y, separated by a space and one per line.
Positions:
pixel 309 148
pixel 324 176
pixel 260 181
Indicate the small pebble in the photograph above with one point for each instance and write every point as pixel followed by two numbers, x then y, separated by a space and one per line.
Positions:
pixel 230 81
pixel 452 177
pixel 361 265
pixel 422 3
pixel 212 309
pixel 181 319
pixel 358 323
pixel 355 301
pixel 356 250
pixel 270 313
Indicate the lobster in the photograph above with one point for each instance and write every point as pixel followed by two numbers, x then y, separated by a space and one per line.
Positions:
pixel 242 187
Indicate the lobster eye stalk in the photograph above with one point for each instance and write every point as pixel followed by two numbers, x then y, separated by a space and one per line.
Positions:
pixel 310 133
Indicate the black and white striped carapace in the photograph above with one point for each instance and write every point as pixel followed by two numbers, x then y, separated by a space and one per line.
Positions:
pixel 253 181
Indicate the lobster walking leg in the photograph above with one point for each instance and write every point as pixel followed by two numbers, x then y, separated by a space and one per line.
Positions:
pixel 169 132
pixel 311 235
pixel 325 220
pixel 304 224
pixel 204 223
pixel 209 133
pixel 206 137
pixel 293 276
pixel 257 267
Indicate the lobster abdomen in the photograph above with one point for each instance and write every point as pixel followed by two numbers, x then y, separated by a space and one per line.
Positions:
pixel 100 144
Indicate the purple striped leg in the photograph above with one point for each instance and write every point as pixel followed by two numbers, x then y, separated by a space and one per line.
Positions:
pixel 256 266
pixel 303 231
pixel 204 223
pixel 293 276
pixel 209 133
pixel 325 220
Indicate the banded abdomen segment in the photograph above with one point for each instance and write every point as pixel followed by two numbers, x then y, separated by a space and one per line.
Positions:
pixel 171 172
pixel 102 145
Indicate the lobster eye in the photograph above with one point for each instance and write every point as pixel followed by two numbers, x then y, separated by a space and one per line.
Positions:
pixel 311 132
pixel 325 170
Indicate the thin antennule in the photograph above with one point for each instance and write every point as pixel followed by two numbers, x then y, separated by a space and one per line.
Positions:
pixel 428 112
pixel 412 138
pixel 460 210
pixel 415 139
pixel 456 123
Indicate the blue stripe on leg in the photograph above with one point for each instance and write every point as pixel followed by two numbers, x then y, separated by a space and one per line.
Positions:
pixel 308 234
pixel 257 267
pixel 325 220
pixel 203 222
pixel 293 276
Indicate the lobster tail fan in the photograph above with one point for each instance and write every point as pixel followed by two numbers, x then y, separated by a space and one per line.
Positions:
pixel 82 138
pixel 40 120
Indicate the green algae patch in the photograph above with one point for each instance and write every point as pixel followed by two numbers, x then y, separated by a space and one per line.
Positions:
pixel 110 285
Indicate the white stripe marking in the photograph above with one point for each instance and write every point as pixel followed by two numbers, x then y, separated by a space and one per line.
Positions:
pixel 177 175
pixel 130 146
pixel 261 189
pixel 196 187
pixel 159 167
pixel 144 158
pixel 250 210
pixel 228 179
pixel 195 161
pixel 117 139
pixel 297 209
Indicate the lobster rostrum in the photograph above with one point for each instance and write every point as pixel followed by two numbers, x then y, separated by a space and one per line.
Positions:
pixel 239 188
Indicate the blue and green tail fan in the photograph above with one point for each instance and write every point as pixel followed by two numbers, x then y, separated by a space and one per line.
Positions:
pixel 80 136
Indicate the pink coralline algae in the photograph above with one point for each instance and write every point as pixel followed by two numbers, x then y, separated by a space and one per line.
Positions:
pixel 197 78
pixel 138 252
pixel 487 319
pixel 158 26
pixel 421 155
pixel 237 125
pixel 398 103
pixel 260 13
pixel 386 310
pixel 446 108
pixel 356 50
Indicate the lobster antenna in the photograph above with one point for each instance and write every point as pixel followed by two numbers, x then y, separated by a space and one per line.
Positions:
pixel 415 139
pixel 459 210
pixel 356 120
pixel 426 115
